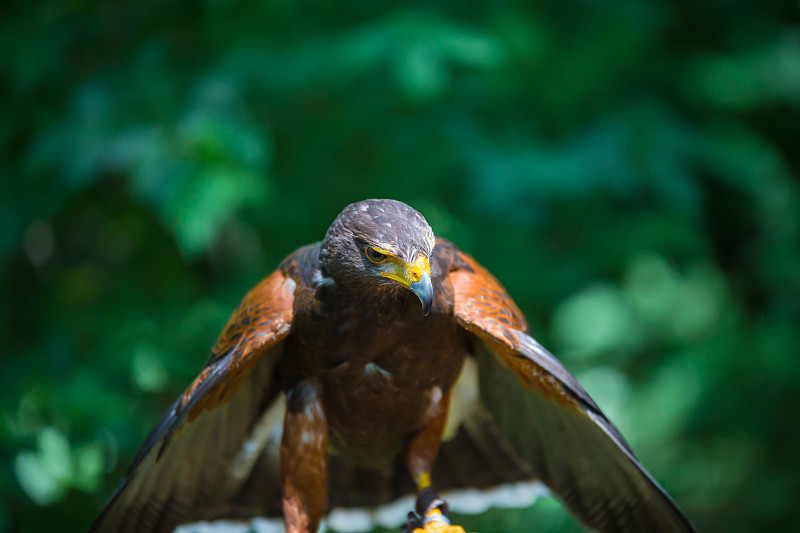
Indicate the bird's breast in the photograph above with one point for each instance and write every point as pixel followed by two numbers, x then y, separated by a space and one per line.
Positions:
pixel 380 378
pixel 373 408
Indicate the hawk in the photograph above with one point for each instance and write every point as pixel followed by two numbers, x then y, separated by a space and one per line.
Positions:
pixel 379 362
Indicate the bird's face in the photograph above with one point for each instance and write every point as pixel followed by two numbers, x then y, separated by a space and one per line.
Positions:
pixel 378 244
pixel 413 274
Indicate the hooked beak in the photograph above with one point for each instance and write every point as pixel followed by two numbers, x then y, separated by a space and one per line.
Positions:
pixel 424 291
pixel 416 277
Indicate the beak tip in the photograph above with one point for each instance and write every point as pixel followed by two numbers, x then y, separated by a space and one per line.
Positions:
pixel 424 291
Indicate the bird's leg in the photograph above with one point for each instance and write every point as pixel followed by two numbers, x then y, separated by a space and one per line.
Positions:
pixel 304 456
pixel 420 452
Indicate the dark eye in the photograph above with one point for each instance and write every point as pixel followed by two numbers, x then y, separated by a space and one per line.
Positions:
pixel 375 256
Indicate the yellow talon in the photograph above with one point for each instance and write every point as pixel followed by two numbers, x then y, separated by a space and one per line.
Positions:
pixel 438 527
pixel 436 522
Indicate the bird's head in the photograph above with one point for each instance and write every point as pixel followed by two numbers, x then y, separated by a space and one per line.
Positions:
pixel 384 243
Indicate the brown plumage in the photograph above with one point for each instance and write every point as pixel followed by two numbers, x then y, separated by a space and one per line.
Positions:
pixel 367 373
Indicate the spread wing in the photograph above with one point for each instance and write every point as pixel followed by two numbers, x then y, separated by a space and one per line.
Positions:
pixel 553 426
pixel 193 462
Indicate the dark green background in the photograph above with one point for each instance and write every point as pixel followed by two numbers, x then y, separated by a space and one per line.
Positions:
pixel 627 169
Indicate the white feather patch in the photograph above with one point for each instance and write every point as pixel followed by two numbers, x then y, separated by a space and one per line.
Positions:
pixel 269 428
pixel 373 369
pixel 463 398
pixel 518 495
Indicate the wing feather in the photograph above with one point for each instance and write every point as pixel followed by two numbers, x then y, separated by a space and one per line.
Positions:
pixel 550 419
pixel 183 469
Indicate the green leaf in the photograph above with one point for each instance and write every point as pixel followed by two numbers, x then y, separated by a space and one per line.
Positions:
pixel 36 480
pixel 55 454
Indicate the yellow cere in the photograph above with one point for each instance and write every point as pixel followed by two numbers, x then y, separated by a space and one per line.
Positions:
pixel 419 268
pixel 406 274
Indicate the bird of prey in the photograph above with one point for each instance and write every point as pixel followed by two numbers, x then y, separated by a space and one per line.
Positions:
pixel 377 363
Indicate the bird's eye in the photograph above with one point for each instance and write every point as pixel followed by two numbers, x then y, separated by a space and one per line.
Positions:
pixel 375 256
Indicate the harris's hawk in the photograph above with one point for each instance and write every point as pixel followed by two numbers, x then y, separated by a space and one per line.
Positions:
pixel 331 384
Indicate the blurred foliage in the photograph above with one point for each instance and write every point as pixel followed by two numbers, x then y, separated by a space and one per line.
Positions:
pixel 627 169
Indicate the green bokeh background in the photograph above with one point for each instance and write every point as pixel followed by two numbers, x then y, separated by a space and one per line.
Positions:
pixel 628 170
